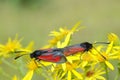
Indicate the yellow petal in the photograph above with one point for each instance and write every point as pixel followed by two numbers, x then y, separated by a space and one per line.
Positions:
pixel 53 67
pixel 64 66
pixel 69 75
pixel 74 57
pixel 59 44
pixel 69 60
pixel 84 63
pixel 30 46
pixel 113 37
pixel 15 78
pixel 1 46
pixel 61 29
pixel 45 63
pixel 54 33
pixel 78 75
pixel 63 74
pixel 101 78
pixel 29 75
pixel 109 65
pixel 75 27
pixel 110 46
pixel 67 40
pixel 32 65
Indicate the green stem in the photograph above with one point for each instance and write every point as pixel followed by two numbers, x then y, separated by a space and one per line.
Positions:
pixel 5 75
pixel 106 70
pixel 118 73
pixel 9 64
pixel 117 77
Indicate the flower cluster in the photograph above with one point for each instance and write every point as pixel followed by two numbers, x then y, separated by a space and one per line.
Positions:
pixel 14 46
pixel 94 64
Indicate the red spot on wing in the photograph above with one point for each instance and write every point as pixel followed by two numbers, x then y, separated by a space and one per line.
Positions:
pixel 73 50
pixel 50 58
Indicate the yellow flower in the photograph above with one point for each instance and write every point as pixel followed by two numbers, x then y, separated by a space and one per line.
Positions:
pixel 56 40
pixel 71 68
pixel 94 74
pixel 68 68
pixel 10 47
pixel 27 49
pixel 32 65
pixel 69 72
pixel 105 56
pixel 87 56
pixel 81 66
pixel 113 37
pixel 58 36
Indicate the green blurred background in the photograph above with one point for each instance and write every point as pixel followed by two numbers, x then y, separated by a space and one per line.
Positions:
pixel 34 19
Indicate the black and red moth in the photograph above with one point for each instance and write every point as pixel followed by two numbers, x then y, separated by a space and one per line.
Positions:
pixel 58 55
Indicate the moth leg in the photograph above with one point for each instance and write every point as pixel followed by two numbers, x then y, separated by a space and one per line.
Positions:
pixel 35 61
pixel 42 65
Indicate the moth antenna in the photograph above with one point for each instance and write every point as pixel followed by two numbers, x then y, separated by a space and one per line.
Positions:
pixel 18 51
pixel 102 43
pixel 20 56
pixel 100 53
